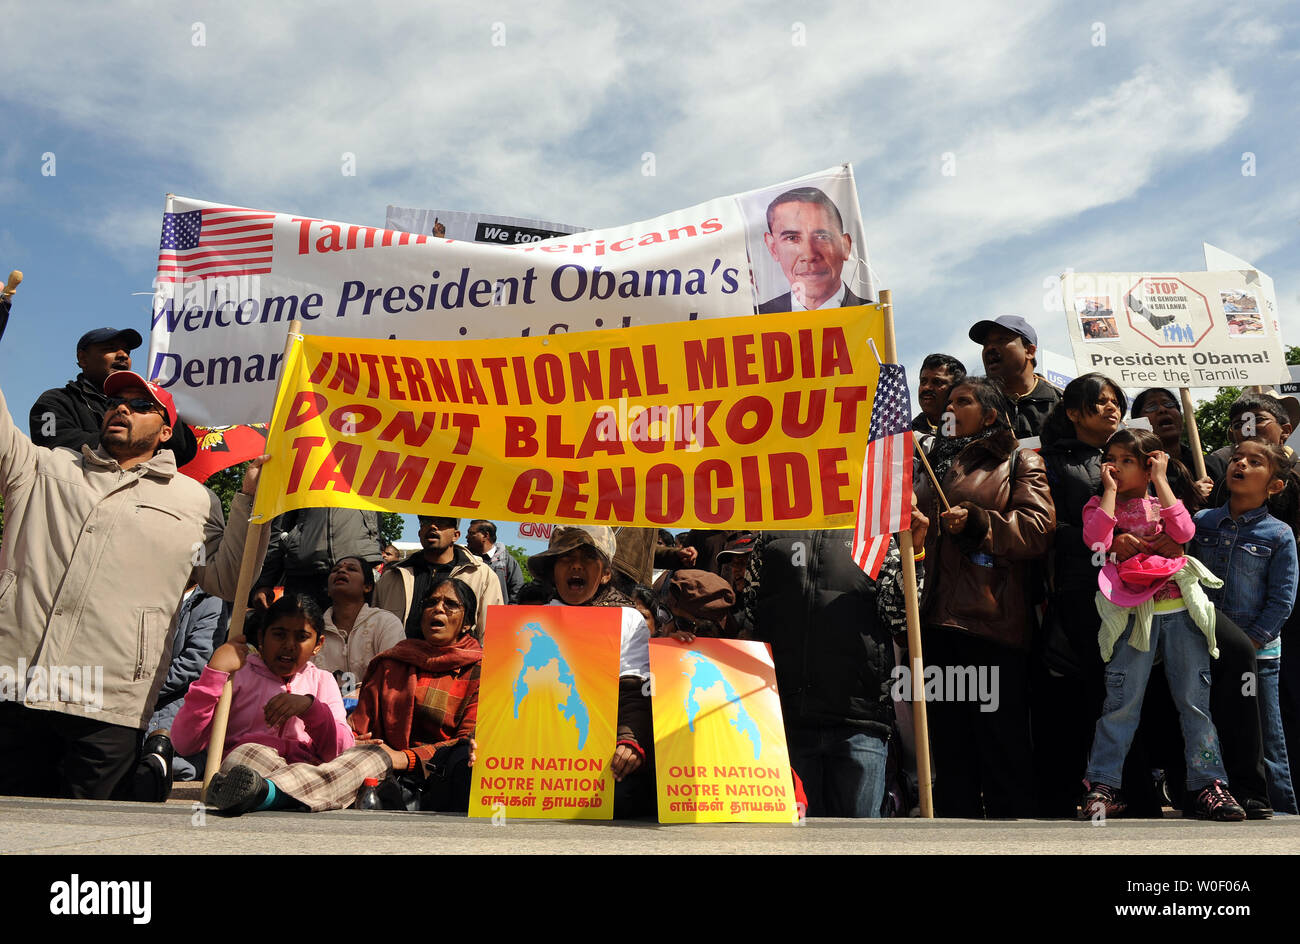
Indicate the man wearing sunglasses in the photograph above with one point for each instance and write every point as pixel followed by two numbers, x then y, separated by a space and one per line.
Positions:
pixel 98 548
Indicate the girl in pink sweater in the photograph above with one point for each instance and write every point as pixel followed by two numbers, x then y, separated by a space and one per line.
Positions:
pixel 1151 604
pixel 287 728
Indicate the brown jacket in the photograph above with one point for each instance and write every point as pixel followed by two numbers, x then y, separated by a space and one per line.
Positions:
pixel 1009 528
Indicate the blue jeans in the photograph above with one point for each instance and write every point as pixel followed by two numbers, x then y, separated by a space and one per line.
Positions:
pixel 1277 766
pixel 1187 668
pixel 842 769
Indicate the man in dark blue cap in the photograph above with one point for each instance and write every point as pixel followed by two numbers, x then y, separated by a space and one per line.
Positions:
pixel 1010 343
pixel 73 414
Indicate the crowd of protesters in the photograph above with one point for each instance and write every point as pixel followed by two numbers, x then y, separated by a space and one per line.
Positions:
pixel 1116 617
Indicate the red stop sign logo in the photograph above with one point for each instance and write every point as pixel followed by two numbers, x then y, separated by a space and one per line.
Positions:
pixel 1168 312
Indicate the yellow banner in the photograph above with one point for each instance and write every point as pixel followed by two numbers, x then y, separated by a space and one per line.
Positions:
pixel 720 751
pixel 752 422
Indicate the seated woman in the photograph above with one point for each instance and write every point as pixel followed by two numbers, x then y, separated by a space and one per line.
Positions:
pixel 355 632
pixel 287 745
pixel 419 701
pixel 578 567
pixel 979 597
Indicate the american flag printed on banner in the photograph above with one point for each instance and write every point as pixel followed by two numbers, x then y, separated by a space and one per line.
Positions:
pixel 222 241
pixel 885 502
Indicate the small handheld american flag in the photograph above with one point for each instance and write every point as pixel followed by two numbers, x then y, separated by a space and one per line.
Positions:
pixel 885 502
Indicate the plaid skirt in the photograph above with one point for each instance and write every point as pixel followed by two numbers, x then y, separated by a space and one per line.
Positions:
pixel 329 786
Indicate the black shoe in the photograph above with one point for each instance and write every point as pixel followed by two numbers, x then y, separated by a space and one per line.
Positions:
pixel 153 772
pixel 237 791
pixel 1258 809
pixel 1216 803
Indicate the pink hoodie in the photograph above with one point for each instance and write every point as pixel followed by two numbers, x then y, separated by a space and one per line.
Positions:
pixel 318 736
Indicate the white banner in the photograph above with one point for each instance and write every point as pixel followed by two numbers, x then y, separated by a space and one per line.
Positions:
pixel 1187 329
pixel 230 279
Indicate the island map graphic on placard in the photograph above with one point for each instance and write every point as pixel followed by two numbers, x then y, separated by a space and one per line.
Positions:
pixel 541 653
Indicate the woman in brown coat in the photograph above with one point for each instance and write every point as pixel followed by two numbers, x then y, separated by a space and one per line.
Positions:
pixel 981 583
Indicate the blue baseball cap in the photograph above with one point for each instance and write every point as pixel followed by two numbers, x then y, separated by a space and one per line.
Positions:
pixel 1013 323
pixel 129 336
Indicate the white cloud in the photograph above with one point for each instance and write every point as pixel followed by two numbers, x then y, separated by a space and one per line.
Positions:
pixel 1015 178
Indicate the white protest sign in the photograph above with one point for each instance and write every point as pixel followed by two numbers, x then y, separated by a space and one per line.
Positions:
pixel 1292 389
pixel 230 279
pixel 1216 260
pixel 1057 368
pixel 1187 329
pixel 474 227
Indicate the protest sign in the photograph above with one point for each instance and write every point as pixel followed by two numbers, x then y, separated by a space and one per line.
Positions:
pixel 547 712
pixel 474 227
pixel 1057 368
pixel 751 422
pixel 1217 260
pixel 229 279
pixel 720 751
pixel 1188 329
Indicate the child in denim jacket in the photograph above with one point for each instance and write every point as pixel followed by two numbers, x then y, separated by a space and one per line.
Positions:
pixel 1255 554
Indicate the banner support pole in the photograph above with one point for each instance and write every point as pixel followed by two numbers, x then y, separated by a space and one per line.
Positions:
pixel 1193 434
pixel 248 560
pixel 920 723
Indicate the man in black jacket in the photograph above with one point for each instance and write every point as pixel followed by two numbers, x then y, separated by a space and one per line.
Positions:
pixel 830 627
pixel 1010 344
pixel 72 415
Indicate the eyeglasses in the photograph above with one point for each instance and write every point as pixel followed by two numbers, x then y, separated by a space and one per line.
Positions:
pixel 1258 419
pixel 684 623
pixel 1153 406
pixel 451 606
pixel 137 404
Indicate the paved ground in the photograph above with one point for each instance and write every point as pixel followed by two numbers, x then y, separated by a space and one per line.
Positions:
pixel 81 827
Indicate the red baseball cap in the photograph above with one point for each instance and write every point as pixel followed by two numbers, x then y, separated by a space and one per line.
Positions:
pixel 121 379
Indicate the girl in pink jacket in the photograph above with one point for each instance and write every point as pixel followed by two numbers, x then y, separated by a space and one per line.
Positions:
pixel 288 744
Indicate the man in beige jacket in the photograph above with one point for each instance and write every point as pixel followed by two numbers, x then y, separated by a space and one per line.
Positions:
pixel 98 545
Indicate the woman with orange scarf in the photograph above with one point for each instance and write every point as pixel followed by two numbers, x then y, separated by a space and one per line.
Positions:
pixel 419 701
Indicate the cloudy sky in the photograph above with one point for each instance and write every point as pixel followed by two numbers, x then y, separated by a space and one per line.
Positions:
pixel 1098 136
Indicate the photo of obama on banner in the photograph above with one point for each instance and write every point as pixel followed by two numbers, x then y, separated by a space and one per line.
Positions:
pixel 807 249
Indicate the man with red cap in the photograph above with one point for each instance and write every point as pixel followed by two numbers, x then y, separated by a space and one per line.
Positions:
pixel 72 415
pixel 98 548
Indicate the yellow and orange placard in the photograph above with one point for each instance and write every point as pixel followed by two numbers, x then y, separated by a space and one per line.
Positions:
pixel 720 752
pixel 753 422
pixel 547 713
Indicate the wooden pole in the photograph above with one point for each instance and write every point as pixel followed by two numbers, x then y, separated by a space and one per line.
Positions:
pixel 1193 434
pixel 15 279
pixel 217 737
pixel 920 723
pixel 920 454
